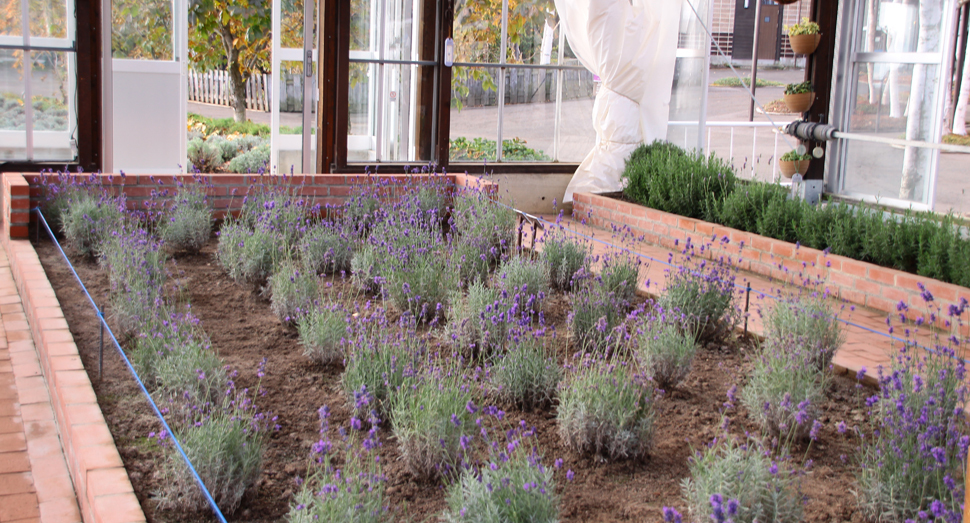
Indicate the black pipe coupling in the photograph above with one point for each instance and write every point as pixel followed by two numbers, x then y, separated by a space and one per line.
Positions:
pixel 811 131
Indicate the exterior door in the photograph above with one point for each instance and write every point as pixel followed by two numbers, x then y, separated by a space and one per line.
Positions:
pixel 146 101
pixel 294 88
pixel 768 30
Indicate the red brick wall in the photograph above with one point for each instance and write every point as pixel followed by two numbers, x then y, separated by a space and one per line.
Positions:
pixel 854 281
pixel 226 192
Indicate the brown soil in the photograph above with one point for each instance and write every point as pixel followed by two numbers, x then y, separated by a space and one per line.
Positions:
pixel 244 331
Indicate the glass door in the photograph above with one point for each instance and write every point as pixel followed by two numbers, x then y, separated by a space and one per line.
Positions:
pixel 148 82
pixel 294 91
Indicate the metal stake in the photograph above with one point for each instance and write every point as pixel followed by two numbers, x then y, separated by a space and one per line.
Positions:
pixel 747 301
pixel 101 345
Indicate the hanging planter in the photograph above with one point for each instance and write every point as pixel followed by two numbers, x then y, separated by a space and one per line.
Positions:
pixel 799 97
pixel 804 37
pixel 786 2
pixel 792 162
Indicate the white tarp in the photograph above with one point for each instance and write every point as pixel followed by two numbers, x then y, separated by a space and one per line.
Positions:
pixel 632 46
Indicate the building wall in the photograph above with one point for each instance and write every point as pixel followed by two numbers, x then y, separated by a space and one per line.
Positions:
pixel 722 24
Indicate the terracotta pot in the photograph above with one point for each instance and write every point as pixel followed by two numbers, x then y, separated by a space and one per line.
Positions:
pixel 788 168
pixel 799 103
pixel 804 44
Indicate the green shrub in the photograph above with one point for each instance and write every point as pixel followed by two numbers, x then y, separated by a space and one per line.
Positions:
pixel 747 203
pixel 462 149
pixel 686 183
pixel 228 126
pixel 760 489
pixel 606 410
pixel 781 219
pixel 256 160
pixel 204 156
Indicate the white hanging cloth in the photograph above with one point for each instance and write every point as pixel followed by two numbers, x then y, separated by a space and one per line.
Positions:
pixel 632 46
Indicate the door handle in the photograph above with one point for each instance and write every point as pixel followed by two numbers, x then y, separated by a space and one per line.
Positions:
pixel 308 64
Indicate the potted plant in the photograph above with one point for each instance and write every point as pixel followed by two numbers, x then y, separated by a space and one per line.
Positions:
pixel 804 36
pixel 799 97
pixel 792 162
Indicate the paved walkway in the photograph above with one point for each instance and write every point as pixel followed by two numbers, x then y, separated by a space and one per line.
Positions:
pixel 35 484
pixel 867 343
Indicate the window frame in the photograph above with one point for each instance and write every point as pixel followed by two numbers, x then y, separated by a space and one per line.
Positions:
pixel 334 102
pixel 87 48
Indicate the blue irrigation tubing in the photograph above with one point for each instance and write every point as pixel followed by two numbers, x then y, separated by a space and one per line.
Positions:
pixel 763 294
pixel 124 357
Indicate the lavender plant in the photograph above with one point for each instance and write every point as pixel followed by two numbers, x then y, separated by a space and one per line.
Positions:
pixel 323 333
pixel 430 415
pixel 479 321
pixel 249 255
pixel 785 390
pixel 596 312
pixel 565 256
pixel 606 409
pixel 485 222
pixel 136 272
pixel 742 481
pixel 913 462
pixel 382 361
pixel 346 482
pixel 326 249
pixel 809 319
pixel 703 291
pixel 89 219
pixel 188 223
pixel 470 260
pixel 364 267
pixel 225 445
pixel 664 350
pixel 525 376
pixel 292 291
pixel 526 280
pixel 514 485
pixel 619 276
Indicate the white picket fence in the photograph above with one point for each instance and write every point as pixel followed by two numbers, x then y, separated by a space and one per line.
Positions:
pixel 212 87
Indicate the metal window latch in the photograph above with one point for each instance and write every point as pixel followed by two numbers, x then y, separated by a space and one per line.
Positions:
pixel 308 64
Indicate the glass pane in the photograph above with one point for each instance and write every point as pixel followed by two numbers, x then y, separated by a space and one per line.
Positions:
pixel 11 90
pixel 291 117
pixel 529 115
pixel 478 31
pixel 362 24
pixel 893 101
pixel 692 34
pixel 48 18
pixel 408 98
pixel 532 32
pixel 362 113
pixel 889 27
pixel 474 114
pixel 291 24
pixel 398 31
pixel 52 94
pixel 576 134
pixel 686 96
pixel 952 184
pixel 141 29
pixel 11 18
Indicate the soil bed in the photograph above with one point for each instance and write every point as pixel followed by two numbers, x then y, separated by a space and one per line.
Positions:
pixel 244 331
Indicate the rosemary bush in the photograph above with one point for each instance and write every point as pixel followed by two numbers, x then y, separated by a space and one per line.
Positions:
pixel 606 410
pixel 526 376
